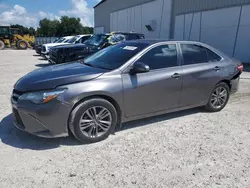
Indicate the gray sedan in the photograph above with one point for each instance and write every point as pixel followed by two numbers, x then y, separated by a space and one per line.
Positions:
pixel 124 82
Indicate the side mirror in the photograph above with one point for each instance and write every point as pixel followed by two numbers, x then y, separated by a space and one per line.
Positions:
pixel 139 67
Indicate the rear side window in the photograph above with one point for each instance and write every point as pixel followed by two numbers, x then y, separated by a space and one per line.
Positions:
pixel 212 56
pixel 161 57
pixel 195 54
pixel 133 37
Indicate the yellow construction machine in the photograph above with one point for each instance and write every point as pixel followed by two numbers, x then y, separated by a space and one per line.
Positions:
pixel 12 38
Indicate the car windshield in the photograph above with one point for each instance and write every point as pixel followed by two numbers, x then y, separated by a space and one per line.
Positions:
pixel 60 40
pixel 96 40
pixel 117 38
pixel 115 56
pixel 74 39
pixel 55 41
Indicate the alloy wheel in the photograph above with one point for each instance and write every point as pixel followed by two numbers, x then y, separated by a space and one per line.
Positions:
pixel 219 97
pixel 95 121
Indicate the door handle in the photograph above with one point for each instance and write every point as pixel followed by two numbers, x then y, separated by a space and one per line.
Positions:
pixel 176 76
pixel 216 68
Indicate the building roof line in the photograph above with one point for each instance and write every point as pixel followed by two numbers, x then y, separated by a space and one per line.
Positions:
pixel 102 1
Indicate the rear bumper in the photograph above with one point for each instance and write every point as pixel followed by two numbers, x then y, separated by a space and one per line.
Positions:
pixel 235 85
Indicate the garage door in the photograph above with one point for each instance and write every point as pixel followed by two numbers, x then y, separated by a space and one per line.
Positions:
pixel 227 29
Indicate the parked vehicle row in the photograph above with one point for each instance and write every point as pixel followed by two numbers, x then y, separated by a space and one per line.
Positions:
pixel 71 52
pixel 130 80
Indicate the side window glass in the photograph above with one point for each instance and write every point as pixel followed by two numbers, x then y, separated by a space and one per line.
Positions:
pixel 161 57
pixel 132 37
pixel 83 39
pixel 212 57
pixel 193 54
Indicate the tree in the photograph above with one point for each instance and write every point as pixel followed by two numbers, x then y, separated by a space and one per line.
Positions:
pixel 55 28
pixel 24 30
pixel 66 26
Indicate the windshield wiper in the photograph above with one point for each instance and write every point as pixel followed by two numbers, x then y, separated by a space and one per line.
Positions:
pixel 90 65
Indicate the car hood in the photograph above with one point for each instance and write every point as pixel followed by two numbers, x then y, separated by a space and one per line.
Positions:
pixel 54 44
pixel 57 75
pixel 75 46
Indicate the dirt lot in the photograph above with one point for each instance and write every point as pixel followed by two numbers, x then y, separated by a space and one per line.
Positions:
pixel 192 148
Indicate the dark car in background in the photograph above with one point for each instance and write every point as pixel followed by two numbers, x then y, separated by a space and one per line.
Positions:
pixel 72 52
pixel 123 82
pixel 38 47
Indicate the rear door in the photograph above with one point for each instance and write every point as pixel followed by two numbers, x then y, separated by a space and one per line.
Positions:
pixel 201 72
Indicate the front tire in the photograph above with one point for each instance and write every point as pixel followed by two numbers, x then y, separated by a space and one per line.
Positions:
pixel 93 120
pixel 22 45
pixel 2 45
pixel 218 98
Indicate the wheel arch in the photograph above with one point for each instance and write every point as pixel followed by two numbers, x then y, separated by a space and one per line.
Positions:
pixel 102 96
pixel 228 82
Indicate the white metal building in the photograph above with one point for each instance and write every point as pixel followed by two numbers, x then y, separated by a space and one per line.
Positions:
pixel 224 24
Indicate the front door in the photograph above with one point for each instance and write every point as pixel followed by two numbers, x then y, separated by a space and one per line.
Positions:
pixel 157 90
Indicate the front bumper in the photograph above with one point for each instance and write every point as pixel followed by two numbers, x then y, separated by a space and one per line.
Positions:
pixel 45 120
pixel 38 51
pixel 51 61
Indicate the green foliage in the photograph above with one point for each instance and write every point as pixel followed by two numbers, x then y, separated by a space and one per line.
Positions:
pixel 66 26
pixel 48 27
pixel 54 28
pixel 24 30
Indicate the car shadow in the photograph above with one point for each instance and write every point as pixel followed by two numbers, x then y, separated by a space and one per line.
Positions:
pixel 42 65
pixel 36 55
pixel 42 58
pixel 11 136
pixel 160 118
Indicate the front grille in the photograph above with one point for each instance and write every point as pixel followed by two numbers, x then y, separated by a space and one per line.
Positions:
pixel 15 95
pixel 17 118
pixel 54 55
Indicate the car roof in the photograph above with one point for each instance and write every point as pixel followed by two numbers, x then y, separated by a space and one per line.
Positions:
pixel 128 33
pixel 83 35
pixel 155 41
pixel 68 37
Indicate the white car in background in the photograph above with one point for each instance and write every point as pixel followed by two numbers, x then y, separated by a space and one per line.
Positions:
pixel 64 40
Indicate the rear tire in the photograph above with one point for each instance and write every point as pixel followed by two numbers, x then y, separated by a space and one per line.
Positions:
pixel 22 45
pixel 93 120
pixel 218 98
pixel 2 45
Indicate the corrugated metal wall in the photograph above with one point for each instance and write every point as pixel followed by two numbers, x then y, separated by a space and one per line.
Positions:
pixel 102 12
pixel 155 13
pixel 190 6
pixel 227 29
pixel 187 6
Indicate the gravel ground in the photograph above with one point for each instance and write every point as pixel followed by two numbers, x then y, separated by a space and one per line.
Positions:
pixel 191 148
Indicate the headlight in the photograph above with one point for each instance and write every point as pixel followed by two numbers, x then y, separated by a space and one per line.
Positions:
pixel 42 96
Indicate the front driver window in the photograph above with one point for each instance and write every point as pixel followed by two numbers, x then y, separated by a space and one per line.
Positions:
pixel 160 57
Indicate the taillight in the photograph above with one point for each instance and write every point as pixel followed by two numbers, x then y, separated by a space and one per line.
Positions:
pixel 240 67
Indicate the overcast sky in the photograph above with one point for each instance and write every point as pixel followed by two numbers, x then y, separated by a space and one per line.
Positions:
pixel 29 12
